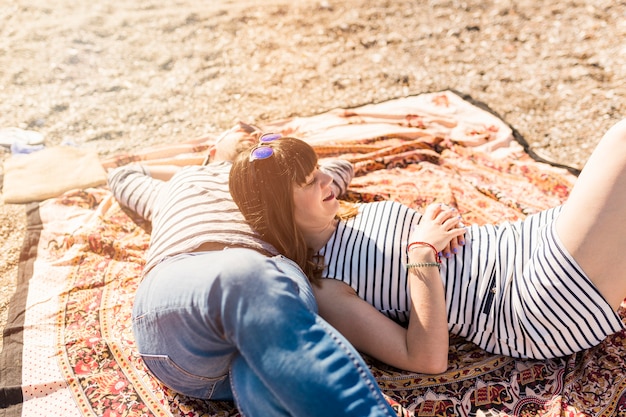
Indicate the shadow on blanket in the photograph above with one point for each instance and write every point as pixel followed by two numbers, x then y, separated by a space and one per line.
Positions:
pixel 68 346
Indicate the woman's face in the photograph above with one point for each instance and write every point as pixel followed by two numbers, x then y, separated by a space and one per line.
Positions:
pixel 315 203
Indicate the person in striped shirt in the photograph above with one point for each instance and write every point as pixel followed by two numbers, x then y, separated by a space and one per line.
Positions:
pixel 220 314
pixel 543 287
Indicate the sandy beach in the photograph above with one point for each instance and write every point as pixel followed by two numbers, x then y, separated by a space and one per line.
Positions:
pixel 117 76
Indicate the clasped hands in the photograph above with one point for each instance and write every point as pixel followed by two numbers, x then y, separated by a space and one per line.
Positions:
pixel 442 227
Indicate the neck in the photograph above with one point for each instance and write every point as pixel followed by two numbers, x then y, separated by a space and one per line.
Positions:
pixel 316 239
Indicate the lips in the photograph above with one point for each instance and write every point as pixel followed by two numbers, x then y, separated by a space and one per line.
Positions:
pixel 330 197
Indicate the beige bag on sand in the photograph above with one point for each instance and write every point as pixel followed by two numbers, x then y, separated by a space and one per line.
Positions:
pixel 49 173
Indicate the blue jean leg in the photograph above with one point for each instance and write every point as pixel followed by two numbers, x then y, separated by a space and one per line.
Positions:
pixel 256 398
pixel 201 313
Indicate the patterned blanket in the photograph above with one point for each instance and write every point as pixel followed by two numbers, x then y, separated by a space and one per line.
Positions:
pixel 69 350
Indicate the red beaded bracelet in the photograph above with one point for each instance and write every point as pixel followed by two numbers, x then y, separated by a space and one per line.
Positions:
pixel 437 258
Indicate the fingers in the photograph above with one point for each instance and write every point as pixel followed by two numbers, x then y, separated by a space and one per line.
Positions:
pixel 445 228
pixel 447 213
pixel 454 225
pixel 453 247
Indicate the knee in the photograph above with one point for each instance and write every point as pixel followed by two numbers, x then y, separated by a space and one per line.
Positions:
pixel 617 133
pixel 252 298
pixel 241 267
pixel 251 394
pixel 246 271
pixel 239 258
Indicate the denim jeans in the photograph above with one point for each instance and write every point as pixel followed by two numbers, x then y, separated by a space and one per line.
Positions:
pixel 240 326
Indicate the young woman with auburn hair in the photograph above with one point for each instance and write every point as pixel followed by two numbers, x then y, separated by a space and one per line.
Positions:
pixel 220 314
pixel 543 287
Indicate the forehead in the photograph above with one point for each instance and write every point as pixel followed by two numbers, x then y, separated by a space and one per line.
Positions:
pixel 234 137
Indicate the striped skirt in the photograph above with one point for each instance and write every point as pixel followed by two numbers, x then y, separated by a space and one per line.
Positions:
pixel 514 290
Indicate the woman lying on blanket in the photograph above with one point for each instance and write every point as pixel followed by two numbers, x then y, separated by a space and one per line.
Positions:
pixel 543 287
pixel 220 314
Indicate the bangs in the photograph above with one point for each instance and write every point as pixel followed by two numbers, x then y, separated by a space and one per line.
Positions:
pixel 263 189
pixel 298 158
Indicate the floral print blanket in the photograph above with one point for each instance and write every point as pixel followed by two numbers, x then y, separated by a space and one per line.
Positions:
pixel 68 347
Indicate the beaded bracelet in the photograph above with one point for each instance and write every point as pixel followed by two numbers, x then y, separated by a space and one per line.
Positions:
pixel 423 265
pixel 437 258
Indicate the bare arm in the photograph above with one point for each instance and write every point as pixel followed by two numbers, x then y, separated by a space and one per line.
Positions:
pixel 377 335
pixel 423 345
pixel 136 186
pixel 427 333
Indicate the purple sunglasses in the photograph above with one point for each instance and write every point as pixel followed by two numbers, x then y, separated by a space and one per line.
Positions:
pixel 262 150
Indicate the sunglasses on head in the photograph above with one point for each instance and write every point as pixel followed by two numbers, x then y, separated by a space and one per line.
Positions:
pixel 262 150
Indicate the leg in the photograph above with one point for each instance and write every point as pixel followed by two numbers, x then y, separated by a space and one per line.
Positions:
pixel 592 225
pixel 251 394
pixel 215 307
pixel 256 398
pixel 290 353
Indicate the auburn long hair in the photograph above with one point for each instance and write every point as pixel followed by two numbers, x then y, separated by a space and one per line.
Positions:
pixel 263 191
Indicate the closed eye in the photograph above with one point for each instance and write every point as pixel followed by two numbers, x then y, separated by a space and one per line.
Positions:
pixel 314 178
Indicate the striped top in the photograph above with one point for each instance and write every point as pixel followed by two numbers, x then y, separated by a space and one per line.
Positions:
pixel 368 252
pixel 195 207
pixel 512 288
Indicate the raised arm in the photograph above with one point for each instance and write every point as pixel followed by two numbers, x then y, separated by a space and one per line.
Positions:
pixel 342 172
pixel 137 186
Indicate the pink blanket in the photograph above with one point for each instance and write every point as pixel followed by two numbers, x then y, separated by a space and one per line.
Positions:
pixel 69 349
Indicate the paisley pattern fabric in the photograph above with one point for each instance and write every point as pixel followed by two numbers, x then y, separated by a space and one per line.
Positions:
pixel 68 346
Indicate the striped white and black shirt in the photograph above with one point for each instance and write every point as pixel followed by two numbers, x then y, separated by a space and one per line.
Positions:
pixel 195 207
pixel 368 252
pixel 512 289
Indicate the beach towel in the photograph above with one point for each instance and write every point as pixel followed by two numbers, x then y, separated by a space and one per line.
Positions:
pixel 68 345
pixel 50 172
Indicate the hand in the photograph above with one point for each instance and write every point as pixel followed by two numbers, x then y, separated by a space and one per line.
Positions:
pixel 441 226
